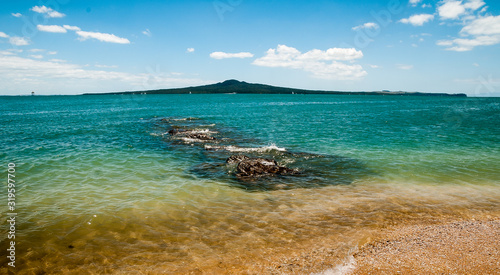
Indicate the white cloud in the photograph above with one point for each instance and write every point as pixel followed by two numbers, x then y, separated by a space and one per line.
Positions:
pixel 418 19
pixel 37 56
pixel 57 60
pixel 3 35
pixel 444 43
pixel 6 53
pixel 52 52
pixel 374 66
pixel 415 2
pixel 453 9
pixel 36 50
pixel 104 37
pixel 47 11
pixel 404 67
pixel 223 55
pixel 369 25
pixel 426 6
pixel 16 14
pixel 71 28
pixel 19 41
pixel 322 64
pixel 51 28
pixel 57 76
pixel 483 31
pixel 190 50
pixel 488 25
pixel 463 44
pixel 475 65
pixel 106 66
pixel 474 4
pixel 147 32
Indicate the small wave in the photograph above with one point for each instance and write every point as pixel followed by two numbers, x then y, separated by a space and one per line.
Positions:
pixel 342 269
pixel 195 131
pixel 235 149
pixel 202 131
pixel 184 119
pixel 192 140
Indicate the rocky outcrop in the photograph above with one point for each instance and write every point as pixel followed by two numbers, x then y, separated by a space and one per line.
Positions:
pixel 254 167
pixel 190 134
pixel 236 159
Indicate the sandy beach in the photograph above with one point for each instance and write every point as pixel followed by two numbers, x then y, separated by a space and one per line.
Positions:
pixel 460 247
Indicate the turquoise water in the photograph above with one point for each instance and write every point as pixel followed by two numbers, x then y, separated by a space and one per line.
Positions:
pixel 102 187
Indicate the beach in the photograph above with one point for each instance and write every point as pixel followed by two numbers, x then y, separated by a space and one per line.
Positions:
pixel 459 247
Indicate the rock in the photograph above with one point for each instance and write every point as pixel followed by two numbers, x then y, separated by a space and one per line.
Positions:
pixel 236 159
pixel 199 136
pixel 252 167
pixel 174 132
pixel 190 134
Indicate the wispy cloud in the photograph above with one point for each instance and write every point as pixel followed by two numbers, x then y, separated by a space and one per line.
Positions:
pixel 71 28
pixel 414 3
pixel 3 35
pixel 16 14
pixel 483 31
pixel 19 41
pixel 49 12
pixel 404 67
pixel 104 37
pixel 37 56
pixel 51 28
pixel 54 76
pixel 322 64
pixel 147 32
pixel 223 55
pixel 369 25
pixel 106 66
pixel 417 19
pixel 84 35
pixel 190 50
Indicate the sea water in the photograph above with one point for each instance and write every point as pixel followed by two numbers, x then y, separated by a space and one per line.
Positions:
pixel 102 187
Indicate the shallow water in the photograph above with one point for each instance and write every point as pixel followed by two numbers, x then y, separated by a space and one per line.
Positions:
pixel 103 188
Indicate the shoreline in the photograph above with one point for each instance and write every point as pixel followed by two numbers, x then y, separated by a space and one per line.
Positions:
pixel 446 247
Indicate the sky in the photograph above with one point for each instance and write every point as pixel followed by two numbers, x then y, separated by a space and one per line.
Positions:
pixel 74 47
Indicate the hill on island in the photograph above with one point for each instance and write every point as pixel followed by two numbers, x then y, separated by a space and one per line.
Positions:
pixel 240 87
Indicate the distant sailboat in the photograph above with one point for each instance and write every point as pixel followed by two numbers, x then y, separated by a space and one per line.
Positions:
pixel 32 93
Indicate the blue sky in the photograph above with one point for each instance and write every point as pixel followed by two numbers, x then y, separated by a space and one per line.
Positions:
pixel 73 47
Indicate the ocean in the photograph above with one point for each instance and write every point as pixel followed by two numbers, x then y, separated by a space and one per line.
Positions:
pixel 102 187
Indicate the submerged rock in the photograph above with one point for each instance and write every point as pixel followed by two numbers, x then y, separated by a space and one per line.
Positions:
pixel 190 134
pixel 254 167
pixel 199 136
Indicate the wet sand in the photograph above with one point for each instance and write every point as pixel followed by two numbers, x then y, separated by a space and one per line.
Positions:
pixel 460 247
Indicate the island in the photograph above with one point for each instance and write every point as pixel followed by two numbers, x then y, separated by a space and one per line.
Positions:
pixel 233 86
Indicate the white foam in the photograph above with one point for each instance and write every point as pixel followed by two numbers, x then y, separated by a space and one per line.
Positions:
pixel 254 149
pixel 345 268
pixel 236 149
pixel 202 131
pixel 192 140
